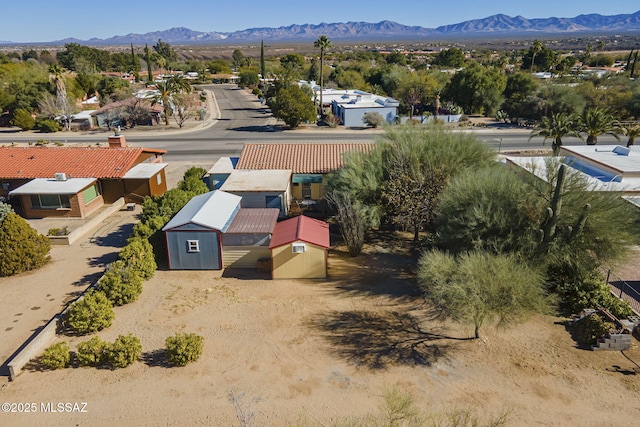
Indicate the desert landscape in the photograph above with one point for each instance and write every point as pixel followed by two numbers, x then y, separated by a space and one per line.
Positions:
pixel 320 352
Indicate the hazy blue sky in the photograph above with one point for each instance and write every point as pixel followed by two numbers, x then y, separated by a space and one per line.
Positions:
pixel 47 20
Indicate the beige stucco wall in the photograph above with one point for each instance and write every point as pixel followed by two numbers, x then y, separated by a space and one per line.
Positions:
pixel 311 264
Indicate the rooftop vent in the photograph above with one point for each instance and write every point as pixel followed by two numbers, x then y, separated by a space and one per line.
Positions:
pixel 60 176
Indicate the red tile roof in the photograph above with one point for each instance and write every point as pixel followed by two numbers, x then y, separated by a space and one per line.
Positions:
pixel 300 158
pixel 301 228
pixel 77 162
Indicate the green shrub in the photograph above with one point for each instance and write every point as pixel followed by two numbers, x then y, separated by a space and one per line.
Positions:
pixel 121 283
pixel 592 292
pixel 48 126
pixel 373 119
pixel 5 209
pixel 92 352
pixel 184 348
pixel 64 231
pixel 23 119
pixel 57 356
pixel 138 255
pixel 21 247
pixel 124 351
pixel 588 329
pixel 92 313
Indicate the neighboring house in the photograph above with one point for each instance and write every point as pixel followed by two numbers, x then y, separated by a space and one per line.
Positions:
pixel 211 232
pixel 309 163
pixel 604 167
pixel 265 188
pixel 351 105
pixel 299 249
pixel 115 172
pixel 110 114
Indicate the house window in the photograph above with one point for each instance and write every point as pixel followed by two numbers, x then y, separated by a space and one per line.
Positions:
pixel 90 193
pixel 159 179
pixel 193 246
pixel 298 248
pixel 50 201
pixel 273 202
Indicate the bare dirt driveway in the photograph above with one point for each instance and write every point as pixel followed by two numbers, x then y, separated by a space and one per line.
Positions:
pixel 325 352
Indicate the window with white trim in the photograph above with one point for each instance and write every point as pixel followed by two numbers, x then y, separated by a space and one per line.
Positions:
pixel 193 246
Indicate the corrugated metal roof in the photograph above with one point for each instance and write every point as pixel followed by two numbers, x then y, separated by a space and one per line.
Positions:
pixel 254 220
pixel 258 180
pixel 144 170
pixel 215 210
pixel 300 158
pixel 77 162
pixel 52 186
pixel 301 228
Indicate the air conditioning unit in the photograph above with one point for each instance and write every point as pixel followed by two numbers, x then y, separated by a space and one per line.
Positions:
pixel 60 176
pixel 298 248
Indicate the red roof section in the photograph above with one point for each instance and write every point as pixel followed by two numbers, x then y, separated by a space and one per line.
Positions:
pixel 301 228
pixel 77 162
pixel 300 158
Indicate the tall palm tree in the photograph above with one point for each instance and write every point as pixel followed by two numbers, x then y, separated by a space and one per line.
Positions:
pixel 166 90
pixel 535 49
pixel 631 131
pixel 323 43
pixel 597 121
pixel 555 128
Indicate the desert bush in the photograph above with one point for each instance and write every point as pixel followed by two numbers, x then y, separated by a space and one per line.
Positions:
pixel 121 283
pixel 184 348
pixel 23 119
pixel 57 356
pixel 5 209
pixel 588 329
pixel 21 247
pixel 124 351
pixel 92 352
pixel 92 313
pixel 64 231
pixel 138 255
pixel 592 292
pixel 48 126
pixel 373 119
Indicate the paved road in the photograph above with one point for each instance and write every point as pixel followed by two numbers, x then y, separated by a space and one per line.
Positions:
pixel 235 118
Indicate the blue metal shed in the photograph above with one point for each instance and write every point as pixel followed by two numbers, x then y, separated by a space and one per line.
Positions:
pixel 194 234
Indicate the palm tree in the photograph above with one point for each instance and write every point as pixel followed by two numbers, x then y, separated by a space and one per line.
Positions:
pixel 597 121
pixel 62 103
pixel 322 43
pixel 535 49
pixel 166 90
pixel 555 128
pixel 631 131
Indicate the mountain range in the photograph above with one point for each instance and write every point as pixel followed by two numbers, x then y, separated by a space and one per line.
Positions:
pixel 496 25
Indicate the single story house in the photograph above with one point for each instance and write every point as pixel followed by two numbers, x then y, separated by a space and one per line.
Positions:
pixel 212 232
pixel 264 188
pixel 351 105
pixel 309 163
pixel 118 171
pixel 299 249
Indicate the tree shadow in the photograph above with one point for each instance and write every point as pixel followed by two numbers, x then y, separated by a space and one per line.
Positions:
pixel 156 358
pixel 117 238
pixel 379 340
pixel 263 128
pixel 103 260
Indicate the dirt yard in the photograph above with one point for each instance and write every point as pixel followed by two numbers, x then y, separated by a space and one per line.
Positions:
pixel 324 353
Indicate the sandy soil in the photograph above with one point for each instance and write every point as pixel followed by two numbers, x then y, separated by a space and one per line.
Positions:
pixel 322 353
